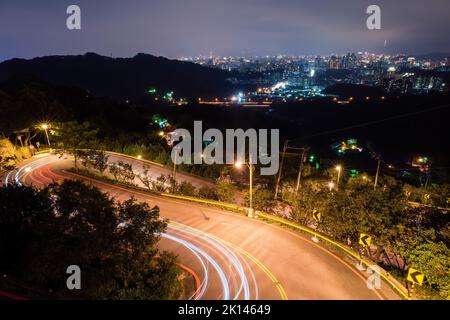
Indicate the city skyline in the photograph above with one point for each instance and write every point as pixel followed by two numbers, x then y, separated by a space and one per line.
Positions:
pixel 200 27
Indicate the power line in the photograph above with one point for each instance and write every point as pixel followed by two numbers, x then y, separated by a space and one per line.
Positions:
pixel 374 122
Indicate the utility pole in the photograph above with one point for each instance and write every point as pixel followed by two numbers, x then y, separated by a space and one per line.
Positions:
pixel 281 168
pixel 378 173
pixel 300 170
pixel 427 179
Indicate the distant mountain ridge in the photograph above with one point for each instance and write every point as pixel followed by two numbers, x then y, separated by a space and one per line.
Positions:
pixel 122 77
pixel 433 56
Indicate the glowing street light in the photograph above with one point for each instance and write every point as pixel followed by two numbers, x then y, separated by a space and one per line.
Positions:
pixel 45 127
pixel 339 170
pixel 331 185
pixel 239 165
pixel 139 157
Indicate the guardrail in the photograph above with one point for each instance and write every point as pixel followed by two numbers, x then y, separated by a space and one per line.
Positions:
pixel 382 273
pixel 42 152
pixel 204 201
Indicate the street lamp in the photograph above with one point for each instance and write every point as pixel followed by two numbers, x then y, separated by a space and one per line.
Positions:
pixel 45 128
pixel 239 165
pixel 331 186
pixel 339 170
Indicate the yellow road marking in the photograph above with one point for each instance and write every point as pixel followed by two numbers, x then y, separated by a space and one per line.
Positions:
pixel 283 221
pixel 246 253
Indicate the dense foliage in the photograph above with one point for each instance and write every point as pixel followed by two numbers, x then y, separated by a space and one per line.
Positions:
pixel 403 235
pixel 42 232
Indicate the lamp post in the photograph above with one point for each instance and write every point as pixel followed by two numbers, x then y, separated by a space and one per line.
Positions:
pixel 339 170
pixel 239 165
pixel 45 127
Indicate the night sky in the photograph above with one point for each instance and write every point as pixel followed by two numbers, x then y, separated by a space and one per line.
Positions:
pixel 175 28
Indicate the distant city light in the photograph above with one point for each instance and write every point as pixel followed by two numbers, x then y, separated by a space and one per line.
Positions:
pixel 279 85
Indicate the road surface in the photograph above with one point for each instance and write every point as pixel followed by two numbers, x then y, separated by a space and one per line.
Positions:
pixel 229 255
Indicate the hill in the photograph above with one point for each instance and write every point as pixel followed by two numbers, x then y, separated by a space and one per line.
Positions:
pixel 123 78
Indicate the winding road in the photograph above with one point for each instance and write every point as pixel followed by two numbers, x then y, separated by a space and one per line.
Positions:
pixel 229 255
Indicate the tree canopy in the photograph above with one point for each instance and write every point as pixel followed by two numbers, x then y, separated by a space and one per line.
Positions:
pixel 42 232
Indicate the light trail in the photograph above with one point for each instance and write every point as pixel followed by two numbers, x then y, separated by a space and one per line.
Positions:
pixel 230 257
pixel 231 275
pixel 248 255
pixel 220 272
pixel 229 265
pixel 27 169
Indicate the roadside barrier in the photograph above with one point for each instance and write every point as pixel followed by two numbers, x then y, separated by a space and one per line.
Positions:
pixel 382 273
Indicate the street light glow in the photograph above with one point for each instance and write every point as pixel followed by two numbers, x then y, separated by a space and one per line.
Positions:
pixel 45 127
pixel 338 168
pixel 238 164
pixel 331 185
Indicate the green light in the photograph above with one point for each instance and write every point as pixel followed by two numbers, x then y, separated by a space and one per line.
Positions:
pixel 354 173
pixel 152 91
